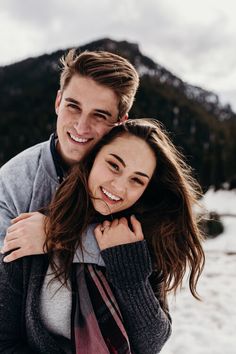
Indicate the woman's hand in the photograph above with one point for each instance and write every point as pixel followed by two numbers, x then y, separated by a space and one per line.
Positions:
pixel 26 236
pixel 117 232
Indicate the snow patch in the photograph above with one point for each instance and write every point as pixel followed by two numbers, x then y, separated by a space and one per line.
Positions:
pixel 208 327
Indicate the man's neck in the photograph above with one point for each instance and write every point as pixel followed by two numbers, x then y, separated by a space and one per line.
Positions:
pixel 61 167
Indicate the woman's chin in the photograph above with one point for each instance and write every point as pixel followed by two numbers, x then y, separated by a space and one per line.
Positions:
pixel 102 207
pixel 102 212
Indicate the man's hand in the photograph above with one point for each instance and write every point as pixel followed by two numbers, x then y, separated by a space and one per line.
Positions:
pixel 117 232
pixel 26 236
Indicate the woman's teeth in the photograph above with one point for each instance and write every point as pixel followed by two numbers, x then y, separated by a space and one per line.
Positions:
pixel 111 196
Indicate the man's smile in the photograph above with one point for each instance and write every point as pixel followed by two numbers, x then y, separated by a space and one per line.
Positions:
pixel 78 139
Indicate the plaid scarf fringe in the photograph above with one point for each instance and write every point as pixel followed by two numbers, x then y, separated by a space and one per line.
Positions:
pixel 98 325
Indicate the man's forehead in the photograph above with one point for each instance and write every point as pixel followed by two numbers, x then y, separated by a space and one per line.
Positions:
pixel 86 92
pixel 80 85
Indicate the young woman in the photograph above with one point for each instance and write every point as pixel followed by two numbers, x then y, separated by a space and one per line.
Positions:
pixel 134 193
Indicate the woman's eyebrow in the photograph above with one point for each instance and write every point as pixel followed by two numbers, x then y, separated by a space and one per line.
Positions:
pixel 123 163
pixel 119 159
pixel 142 174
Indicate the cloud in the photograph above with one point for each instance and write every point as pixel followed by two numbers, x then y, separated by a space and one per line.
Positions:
pixel 194 40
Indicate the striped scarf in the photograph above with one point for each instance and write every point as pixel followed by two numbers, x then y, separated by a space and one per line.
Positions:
pixel 98 324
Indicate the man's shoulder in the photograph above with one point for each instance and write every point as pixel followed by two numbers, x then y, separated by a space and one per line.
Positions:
pixel 27 160
pixel 27 155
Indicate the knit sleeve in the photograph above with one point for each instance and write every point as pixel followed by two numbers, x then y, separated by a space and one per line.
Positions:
pixel 128 269
pixel 11 338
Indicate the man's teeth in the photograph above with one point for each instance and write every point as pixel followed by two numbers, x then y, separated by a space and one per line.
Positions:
pixel 111 196
pixel 78 140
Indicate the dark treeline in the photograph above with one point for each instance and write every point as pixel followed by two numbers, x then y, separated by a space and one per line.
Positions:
pixel 199 125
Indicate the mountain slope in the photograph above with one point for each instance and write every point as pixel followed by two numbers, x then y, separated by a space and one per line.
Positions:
pixel 199 124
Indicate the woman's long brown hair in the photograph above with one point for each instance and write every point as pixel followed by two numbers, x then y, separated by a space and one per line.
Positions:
pixel 165 211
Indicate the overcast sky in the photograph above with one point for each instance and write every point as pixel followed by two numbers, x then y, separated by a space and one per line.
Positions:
pixel 194 39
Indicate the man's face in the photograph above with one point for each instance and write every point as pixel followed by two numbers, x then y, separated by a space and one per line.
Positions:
pixel 86 111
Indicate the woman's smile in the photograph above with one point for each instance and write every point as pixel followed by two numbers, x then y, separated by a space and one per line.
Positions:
pixel 110 197
pixel 121 172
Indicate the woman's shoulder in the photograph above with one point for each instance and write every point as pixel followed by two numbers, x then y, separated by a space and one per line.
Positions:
pixel 22 269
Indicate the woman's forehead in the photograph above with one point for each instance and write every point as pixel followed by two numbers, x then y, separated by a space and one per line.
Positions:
pixel 133 150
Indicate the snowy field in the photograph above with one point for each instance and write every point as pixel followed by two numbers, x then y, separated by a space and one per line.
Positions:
pixel 209 327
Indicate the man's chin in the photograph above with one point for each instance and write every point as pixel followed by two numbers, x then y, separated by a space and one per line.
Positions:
pixel 72 159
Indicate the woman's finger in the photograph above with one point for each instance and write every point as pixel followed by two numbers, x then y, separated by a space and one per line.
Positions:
pixel 123 221
pixel 137 228
pixel 106 223
pixel 114 223
pixel 98 231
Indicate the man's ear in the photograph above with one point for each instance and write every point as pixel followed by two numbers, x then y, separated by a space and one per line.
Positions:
pixel 58 101
pixel 124 118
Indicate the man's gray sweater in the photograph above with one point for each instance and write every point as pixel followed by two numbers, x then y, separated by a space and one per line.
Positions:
pixel 27 183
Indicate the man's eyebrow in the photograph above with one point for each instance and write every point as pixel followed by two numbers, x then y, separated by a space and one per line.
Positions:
pixel 123 163
pixel 69 99
pixel 102 111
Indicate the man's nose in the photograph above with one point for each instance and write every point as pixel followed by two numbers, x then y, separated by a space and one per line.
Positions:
pixel 82 124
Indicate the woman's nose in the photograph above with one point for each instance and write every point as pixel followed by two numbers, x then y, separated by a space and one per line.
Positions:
pixel 119 184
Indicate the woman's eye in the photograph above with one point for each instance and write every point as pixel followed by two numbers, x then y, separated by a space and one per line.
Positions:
pixel 113 165
pixel 137 180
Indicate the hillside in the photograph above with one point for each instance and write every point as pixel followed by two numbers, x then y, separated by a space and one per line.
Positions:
pixel 203 128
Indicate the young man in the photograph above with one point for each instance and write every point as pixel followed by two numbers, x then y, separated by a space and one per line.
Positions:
pixel 97 90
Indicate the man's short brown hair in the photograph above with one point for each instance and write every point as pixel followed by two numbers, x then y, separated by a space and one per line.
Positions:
pixel 106 69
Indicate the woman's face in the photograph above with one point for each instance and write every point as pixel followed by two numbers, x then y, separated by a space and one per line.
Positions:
pixel 120 174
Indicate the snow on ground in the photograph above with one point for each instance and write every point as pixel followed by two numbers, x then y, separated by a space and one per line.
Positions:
pixel 209 327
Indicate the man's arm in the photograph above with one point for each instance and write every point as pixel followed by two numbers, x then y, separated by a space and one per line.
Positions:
pixel 26 236
pixel 27 183
pixel 9 188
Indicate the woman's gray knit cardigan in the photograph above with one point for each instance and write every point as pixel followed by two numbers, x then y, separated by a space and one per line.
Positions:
pixel 128 269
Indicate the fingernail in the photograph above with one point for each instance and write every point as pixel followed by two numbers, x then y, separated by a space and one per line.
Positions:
pixel 133 216
pixel 2 251
pixel 6 259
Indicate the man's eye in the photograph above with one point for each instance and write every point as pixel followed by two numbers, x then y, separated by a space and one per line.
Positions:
pixel 113 165
pixel 100 117
pixel 73 106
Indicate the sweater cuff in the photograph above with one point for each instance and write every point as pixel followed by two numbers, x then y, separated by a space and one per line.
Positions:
pixel 127 264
